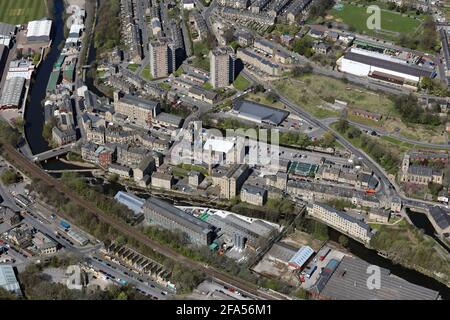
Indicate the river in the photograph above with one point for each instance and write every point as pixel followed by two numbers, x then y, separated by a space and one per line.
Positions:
pixel 34 114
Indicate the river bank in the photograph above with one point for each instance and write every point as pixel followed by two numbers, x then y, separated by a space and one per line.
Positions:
pixel 34 113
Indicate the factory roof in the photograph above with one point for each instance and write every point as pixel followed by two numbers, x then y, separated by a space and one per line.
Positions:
pixel 178 215
pixel 389 65
pixel 259 112
pixel 169 118
pixel 138 102
pixel 39 28
pixel 282 251
pixel 131 201
pixel 255 190
pixel 441 217
pixel 219 145
pixel 12 92
pixel 7 29
pixel 301 256
pixel 349 282
pixel 8 280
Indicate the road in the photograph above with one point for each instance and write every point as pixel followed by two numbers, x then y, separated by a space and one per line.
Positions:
pixel 37 173
pixel 381 132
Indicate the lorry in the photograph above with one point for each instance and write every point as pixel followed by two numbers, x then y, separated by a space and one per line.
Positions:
pixel 64 224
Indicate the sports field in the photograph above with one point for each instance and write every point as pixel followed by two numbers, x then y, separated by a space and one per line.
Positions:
pixel 392 22
pixel 22 11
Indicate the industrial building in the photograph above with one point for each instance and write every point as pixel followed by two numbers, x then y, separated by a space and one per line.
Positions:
pixel 342 221
pixel 301 257
pixel 167 216
pixel 3 58
pixel 259 113
pixel 365 63
pixel 231 181
pixel 131 201
pixel 7 32
pixel 253 195
pixel 8 280
pixel 12 94
pixel 39 31
pixel 349 282
pixel 138 111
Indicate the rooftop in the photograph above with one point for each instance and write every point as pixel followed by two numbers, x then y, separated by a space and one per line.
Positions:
pixel 259 112
pixel 349 282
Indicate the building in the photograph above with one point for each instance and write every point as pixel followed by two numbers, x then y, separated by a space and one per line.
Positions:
pixel 195 178
pixel 222 67
pixel 349 282
pixel 120 170
pixel 366 114
pixel 383 67
pixel 44 245
pixel 131 201
pixel 62 137
pixel 259 62
pixel 167 216
pixel 202 94
pixel 138 111
pixel 8 280
pixel 12 94
pixel 188 4
pixel 440 219
pixel 159 58
pixel 321 48
pixel 278 181
pixel 20 69
pixel 379 215
pixel 253 195
pixel 281 252
pixel 145 168
pixel 7 32
pixel 341 221
pixel 168 121
pixel 39 31
pixel 231 181
pixel 419 174
pixel 162 180
pixel 301 257
pixel 259 113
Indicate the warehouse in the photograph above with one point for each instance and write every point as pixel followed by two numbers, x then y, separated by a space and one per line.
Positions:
pixel 301 257
pixel 130 201
pixel 3 58
pixel 8 280
pixel 371 64
pixel 259 113
pixel 12 93
pixel 7 31
pixel 349 282
pixel 39 31
pixel 167 216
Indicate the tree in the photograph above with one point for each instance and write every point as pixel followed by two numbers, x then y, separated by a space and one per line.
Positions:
pixel 343 240
pixel 342 126
pixel 10 176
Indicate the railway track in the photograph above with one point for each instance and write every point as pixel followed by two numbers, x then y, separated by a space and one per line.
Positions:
pixel 31 168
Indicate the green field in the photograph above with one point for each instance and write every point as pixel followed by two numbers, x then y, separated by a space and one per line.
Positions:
pixel 241 83
pixel 392 23
pixel 22 11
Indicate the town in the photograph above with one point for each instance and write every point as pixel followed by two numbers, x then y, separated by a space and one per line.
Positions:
pixel 225 150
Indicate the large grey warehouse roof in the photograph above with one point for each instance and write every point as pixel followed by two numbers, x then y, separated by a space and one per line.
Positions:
pixel 441 217
pixel 7 29
pixel 177 215
pixel 12 92
pixel 389 65
pixel 259 112
pixel 349 282
pixel 141 103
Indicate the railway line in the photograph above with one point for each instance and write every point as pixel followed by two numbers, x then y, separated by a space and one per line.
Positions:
pixel 32 169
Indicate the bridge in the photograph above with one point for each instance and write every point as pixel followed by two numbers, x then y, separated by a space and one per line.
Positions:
pixel 54 153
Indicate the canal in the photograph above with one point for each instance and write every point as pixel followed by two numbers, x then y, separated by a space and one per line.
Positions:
pixel 34 114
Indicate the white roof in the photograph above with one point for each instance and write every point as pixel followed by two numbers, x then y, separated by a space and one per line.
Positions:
pixel 8 280
pixel 218 145
pixel 302 256
pixel 39 28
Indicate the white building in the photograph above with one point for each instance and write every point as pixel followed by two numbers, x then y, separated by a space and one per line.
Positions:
pixel 383 67
pixel 39 31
